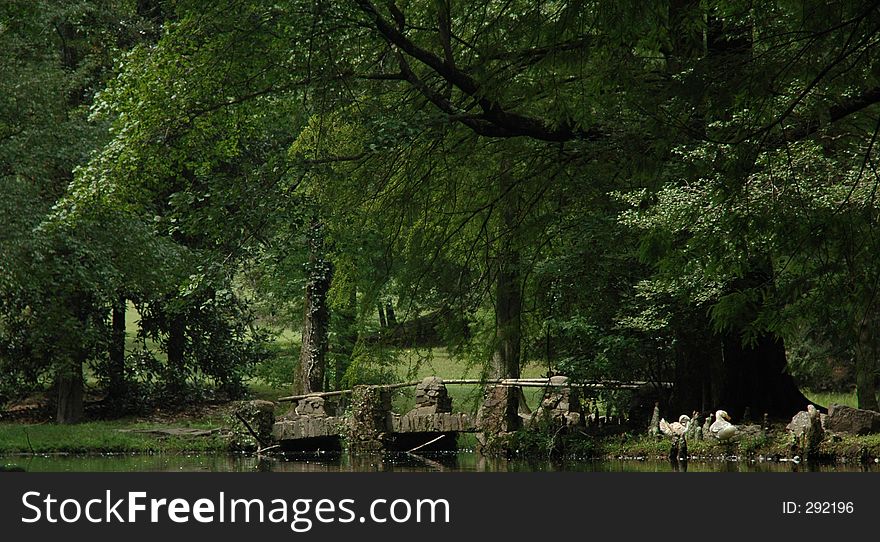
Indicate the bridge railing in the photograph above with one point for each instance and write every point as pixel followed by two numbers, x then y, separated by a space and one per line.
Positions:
pixel 551 382
pixel 369 423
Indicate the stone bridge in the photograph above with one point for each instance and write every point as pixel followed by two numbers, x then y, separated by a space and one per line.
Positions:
pixel 369 424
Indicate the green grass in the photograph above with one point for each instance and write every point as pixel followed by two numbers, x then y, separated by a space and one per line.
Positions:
pixel 260 390
pixel 103 437
pixel 829 398
pixel 132 317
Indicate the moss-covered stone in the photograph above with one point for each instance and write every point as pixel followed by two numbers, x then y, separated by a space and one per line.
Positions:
pixel 369 424
pixel 260 416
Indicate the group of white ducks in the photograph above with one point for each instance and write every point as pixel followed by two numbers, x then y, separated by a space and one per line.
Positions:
pixel 721 428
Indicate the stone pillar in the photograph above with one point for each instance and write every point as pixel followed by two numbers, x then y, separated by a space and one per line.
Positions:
pixel 560 404
pixel 260 416
pixel 368 427
pixel 432 396
pixel 492 414
pixel 314 405
pixel 495 433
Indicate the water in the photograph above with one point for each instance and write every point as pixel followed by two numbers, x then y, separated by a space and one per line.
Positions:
pixel 461 461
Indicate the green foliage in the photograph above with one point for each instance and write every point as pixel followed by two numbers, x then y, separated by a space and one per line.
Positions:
pixel 642 170
pixel 370 366
pixel 280 367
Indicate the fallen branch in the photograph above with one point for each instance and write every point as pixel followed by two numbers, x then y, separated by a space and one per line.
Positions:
pixel 261 450
pixel 173 432
pixel 432 441
pixel 251 430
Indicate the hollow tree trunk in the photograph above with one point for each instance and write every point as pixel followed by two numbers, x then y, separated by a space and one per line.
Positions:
pixel 316 320
pixel 116 371
pixel 69 386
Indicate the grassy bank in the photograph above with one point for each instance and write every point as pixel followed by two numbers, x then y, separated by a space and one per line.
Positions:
pixel 122 436
pixel 106 438
pixel 118 436
pixel 777 444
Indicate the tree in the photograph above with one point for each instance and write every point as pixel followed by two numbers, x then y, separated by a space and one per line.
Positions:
pixel 54 279
pixel 453 158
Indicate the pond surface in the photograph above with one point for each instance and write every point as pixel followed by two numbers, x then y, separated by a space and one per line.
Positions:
pixel 461 461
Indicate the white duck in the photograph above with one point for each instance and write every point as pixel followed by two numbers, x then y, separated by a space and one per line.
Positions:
pixel 721 428
pixel 675 429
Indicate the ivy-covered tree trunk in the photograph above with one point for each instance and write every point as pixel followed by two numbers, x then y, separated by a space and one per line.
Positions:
pixel 116 372
pixel 316 320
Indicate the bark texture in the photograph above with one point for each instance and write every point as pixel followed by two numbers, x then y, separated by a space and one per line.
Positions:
pixel 316 318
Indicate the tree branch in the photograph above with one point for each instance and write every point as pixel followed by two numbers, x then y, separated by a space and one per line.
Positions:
pixel 503 123
pixel 835 114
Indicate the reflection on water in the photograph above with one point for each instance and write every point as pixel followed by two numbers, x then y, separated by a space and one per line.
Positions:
pixel 462 461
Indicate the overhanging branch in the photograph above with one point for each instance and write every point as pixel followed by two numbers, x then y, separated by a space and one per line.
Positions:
pixel 495 120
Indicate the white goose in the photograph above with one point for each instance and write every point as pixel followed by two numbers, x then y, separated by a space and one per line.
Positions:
pixel 675 429
pixel 721 428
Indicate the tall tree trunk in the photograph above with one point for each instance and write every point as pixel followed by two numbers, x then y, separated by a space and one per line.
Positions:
pixel 69 386
pixel 866 366
pixel 316 320
pixel 697 357
pixel 508 322
pixel 749 376
pixel 508 298
pixel 697 349
pixel 69 375
pixel 755 377
pixel 383 322
pixel 177 346
pixel 389 314
pixel 116 371
pixel 348 339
